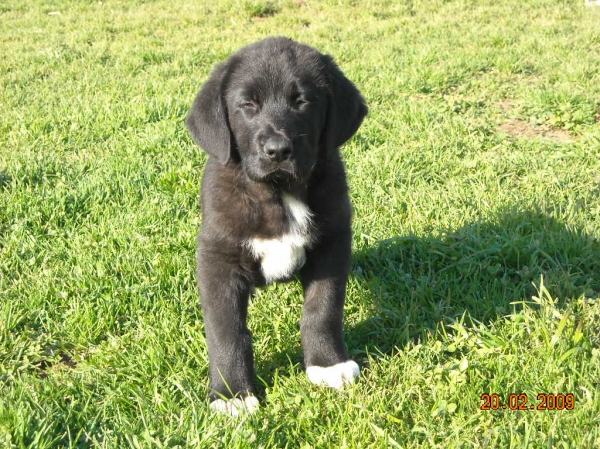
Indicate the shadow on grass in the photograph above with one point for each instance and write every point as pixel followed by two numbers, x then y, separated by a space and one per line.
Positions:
pixel 5 179
pixel 480 269
pixel 416 283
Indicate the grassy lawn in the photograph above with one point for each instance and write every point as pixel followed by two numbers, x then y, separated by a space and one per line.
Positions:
pixel 475 181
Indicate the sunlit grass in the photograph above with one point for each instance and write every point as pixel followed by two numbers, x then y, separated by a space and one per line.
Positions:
pixel 476 191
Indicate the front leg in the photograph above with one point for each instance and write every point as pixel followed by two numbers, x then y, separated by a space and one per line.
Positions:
pixel 224 296
pixel 324 279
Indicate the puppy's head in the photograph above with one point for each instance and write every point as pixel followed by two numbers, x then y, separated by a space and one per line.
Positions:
pixel 275 107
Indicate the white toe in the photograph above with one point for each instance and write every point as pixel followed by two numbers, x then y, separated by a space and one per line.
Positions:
pixel 236 406
pixel 334 376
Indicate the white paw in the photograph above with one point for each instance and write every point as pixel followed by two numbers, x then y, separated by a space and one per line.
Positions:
pixel 334 376
pixel 236 406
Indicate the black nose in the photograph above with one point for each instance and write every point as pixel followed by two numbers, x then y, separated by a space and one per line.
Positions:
pixel 278 149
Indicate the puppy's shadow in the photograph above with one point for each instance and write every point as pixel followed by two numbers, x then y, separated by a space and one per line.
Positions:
pixel 411 284
pixel 417 283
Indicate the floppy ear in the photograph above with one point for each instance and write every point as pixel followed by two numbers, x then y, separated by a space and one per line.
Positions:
pixel 207 120
pixel 346 108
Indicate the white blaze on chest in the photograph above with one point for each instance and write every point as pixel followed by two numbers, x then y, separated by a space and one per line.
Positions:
pixel 281 256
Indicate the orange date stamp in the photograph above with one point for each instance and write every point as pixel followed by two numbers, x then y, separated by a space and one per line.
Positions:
pixel 545 401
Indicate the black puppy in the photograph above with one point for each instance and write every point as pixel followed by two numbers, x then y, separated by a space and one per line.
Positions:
pixel 274 203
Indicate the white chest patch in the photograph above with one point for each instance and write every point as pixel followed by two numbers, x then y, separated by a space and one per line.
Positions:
pixel 280 257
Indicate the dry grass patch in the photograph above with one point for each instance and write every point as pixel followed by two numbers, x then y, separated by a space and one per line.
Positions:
pixel 519 128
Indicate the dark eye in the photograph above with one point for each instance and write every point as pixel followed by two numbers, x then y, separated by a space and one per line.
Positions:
pixel 249 104
pixel 299 100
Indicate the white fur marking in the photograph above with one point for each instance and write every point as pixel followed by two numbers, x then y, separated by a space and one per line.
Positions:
pixel 298 213
pixel 280 257
pixel 235 407
pixel 334 376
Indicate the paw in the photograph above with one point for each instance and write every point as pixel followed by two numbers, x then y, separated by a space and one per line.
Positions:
pixel 334 376
pixel 236 406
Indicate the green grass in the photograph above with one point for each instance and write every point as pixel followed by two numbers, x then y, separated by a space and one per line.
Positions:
pixel 476 188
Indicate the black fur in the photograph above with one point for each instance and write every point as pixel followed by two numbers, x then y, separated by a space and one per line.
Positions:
pixel 272 118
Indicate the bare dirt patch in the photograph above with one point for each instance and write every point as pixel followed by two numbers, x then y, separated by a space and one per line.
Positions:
pixel 506 105
pixel 521 129
pixel 65 362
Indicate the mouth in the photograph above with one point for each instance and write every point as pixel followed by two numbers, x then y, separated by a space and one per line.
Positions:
pixel 275 173
pixel 279 175
pixel 279 171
